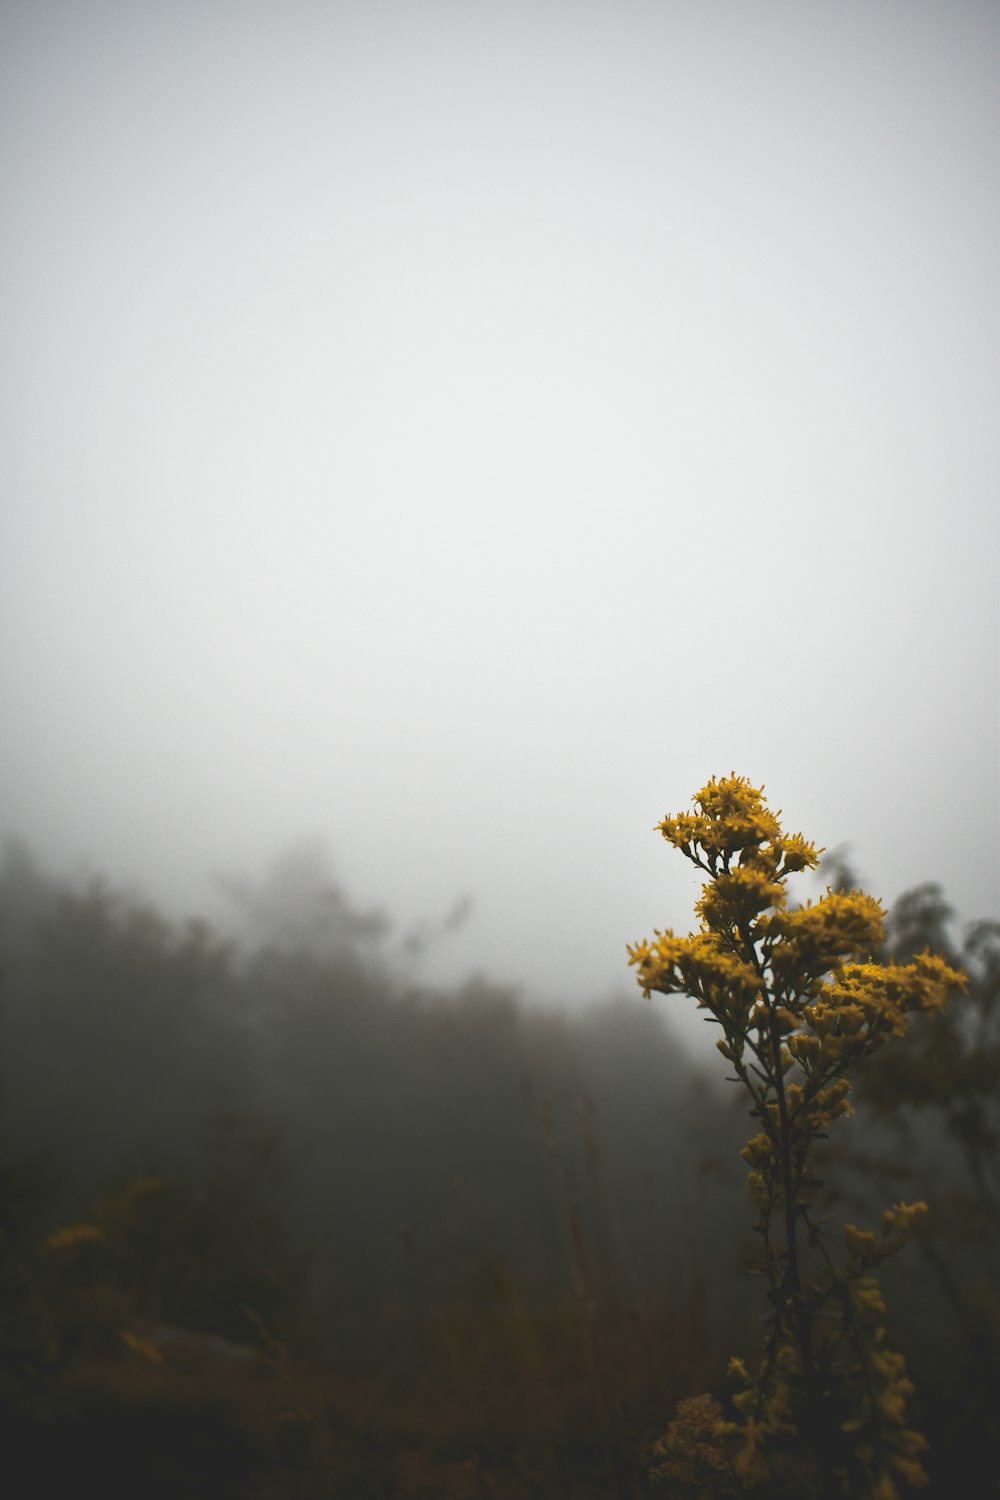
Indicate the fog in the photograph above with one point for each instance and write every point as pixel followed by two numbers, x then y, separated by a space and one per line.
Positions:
pixel 452 433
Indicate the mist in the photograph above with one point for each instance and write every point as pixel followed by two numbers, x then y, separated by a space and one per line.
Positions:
pixel 450 434
pixel 436 439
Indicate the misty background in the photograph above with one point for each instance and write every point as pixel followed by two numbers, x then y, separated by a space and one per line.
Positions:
pixel 439 437
pixel 434 440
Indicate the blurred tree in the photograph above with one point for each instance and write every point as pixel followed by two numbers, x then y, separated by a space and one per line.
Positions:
pixel 298 908
pixel 940 1089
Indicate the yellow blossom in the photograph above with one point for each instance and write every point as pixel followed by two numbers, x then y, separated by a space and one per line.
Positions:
pixel 801 998
pixel 142 1347
pixel 73 1234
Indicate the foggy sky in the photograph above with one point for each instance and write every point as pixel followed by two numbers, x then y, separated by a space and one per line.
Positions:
pixel 456 431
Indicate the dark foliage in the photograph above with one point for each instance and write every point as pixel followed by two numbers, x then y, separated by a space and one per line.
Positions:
pixel 276 1223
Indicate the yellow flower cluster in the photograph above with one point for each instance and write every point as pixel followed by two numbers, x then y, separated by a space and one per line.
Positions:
pixel 699 966
pixel 801 998
pixel 73 1234
pixel 732 818
pixel 690 1460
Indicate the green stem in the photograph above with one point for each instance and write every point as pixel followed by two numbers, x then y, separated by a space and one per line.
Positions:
pixel 797 1311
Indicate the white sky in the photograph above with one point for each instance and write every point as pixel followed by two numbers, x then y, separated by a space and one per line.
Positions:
pixel 458 430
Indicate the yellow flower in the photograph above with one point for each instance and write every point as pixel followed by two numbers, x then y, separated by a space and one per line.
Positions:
pixel 801 998
pixel 859 1241
pixel 142 1347
pixel 73 1234
pixel 903 1218
pixel 757 1150
pixel 731 816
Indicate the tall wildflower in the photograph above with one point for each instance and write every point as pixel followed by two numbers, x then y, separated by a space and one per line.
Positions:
pixel 801 1000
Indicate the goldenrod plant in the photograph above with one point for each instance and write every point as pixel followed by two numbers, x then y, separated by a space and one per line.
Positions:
pixel 801 999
